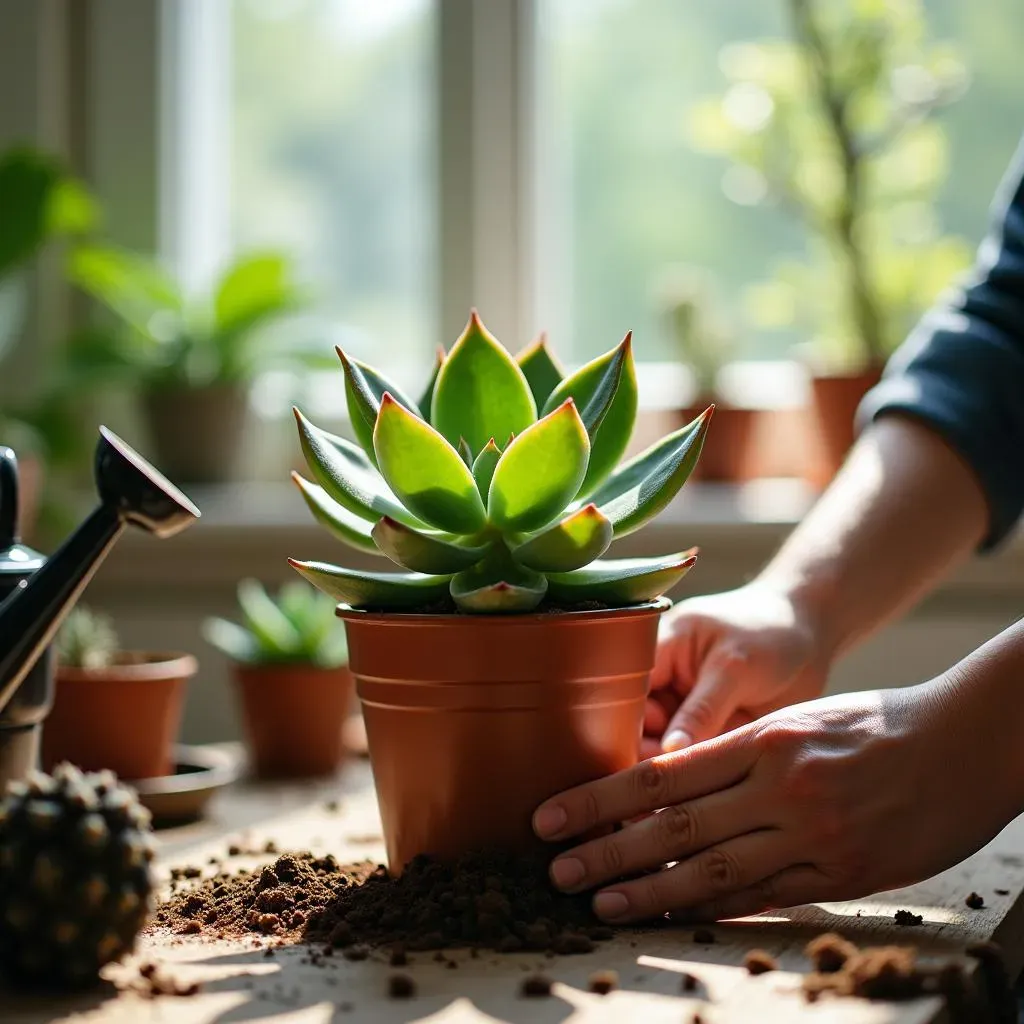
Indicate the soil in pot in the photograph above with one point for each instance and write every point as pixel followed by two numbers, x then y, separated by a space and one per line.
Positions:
pixel 472 721
pixel 124 717
pixel 294 718
pixel 197 432
pixel 834 408
pixel 726 455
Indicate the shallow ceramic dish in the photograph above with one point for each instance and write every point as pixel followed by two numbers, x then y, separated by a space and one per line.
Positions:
pixel 199 772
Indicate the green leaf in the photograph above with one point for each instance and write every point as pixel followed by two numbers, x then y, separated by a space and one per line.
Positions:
pixel 364 389
pixel 642 487
pixel 621 581
pixel 421 552
pixel 425 471
pixel 427 398
pixel 541 369
pixel 540 472
pixel 231 639
pixel 384 590
pixel 613 373
pixel 574 542
pixel 72 210
pixel 345 473
pixel 467 455
pixel 480 391
pixel 484 466
pixel 265 620
pixel 346 526
pixel 497 585
pixel 254 289
pixel 312 615
pixel 27 181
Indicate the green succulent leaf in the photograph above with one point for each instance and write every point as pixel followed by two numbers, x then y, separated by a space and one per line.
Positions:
pixel 421 552
pixel 265 620
pixel 642 487
pixel 345 473
pixel 497 585
pixel 605 389
pixel 425 471
pixel 467 455
pixel 385 590
pixel 364 389
pixel 427 398
pixel 541 369
pixel 231 639
pixel 483 467
pixel 256 288
pixel 540 472
pixel 574 542
pixel 481 391
pixel 345 525
pixel 621 581
pixel 312 615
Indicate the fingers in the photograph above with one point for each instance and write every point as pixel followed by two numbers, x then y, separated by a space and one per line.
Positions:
pixel 790 887
pixel 673 635
pixel 649 747
pixel 714 874
pixel 670 835
pixel 704 710
pixel 648 786
pixel 656 717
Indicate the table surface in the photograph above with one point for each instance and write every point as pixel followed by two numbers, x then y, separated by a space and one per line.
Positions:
pixel 239 985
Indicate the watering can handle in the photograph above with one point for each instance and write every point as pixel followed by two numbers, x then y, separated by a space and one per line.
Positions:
pixel 8 498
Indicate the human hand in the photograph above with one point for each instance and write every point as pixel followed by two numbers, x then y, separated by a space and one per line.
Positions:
pixel 829 800
pixel 726 659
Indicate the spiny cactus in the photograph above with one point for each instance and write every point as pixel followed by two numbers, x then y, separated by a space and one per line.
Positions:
pixel 499 486
pixel 87 640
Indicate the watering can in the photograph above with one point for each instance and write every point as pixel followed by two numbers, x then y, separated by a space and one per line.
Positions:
pixel 36 593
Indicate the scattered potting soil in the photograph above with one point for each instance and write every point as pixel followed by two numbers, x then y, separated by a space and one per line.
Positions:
pixel 974 901
pixel 908 919
pixel 757 961
pixel 704 936
pixel 151 983
pixel 536 986
pixel 828 953
pixel 603 982
pixel 498 901
pixel 401 986
pixel 689 982
pixel 1002 892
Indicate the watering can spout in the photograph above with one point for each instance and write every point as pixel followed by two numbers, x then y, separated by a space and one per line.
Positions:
pixel 131 492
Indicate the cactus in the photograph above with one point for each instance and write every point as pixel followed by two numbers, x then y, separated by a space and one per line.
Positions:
pixel 498 489
pixel 87 640
pixel 298 627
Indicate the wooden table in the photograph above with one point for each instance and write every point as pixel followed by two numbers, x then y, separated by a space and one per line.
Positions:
pixel 240 985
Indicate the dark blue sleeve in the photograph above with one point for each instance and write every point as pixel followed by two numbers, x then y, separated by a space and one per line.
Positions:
pixel 961 371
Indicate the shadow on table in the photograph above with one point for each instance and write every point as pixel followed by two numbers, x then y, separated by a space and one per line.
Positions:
pixel 17 1005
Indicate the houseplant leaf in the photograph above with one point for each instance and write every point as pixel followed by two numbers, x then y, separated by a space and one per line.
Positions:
pixel 347 476
pixel 421 552
pixel 255 288
pixel 483 467
pixel 480 392
pixel 383 590
pixel 541 369
pixel 425 471
pixel 576 541
pixel 621 581
pixel 642 487
pixel 612 374
pixel 427 398
pixel 265 620
pixel 497 585
pixel 233 640
pixel 364 389
pixel 540 472
pixel 345 525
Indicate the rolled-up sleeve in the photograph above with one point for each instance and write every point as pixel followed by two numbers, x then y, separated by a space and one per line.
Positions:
pixel 961 371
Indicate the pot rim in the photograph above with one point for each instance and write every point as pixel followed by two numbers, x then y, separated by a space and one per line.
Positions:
pixel 158 666
pixel 658 605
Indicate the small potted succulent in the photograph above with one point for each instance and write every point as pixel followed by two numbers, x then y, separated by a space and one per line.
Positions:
pixel 706 345
pixel 508 660
pixel 290 664
pixel 113 709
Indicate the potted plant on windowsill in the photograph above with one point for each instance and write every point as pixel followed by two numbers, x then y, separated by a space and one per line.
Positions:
pixel 835 125
pixel 509 661
pixel 113 709
pixel 193 360
pixel 289 661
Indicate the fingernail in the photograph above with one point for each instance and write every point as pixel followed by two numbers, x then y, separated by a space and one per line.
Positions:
pixel 676 740
pixel 610 905
pixel 549 821
pixel 567 872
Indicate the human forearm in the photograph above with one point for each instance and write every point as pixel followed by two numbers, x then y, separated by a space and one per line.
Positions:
pixel 900 515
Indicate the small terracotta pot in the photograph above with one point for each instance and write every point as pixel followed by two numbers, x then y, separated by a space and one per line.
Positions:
pixel 124 717
pixel 472 721
pixel 725 457
pixel 197 432
pixel 294 718
pixel 835 400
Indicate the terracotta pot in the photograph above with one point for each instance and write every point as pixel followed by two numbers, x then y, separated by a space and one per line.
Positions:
pixel 197 432
pixel 294 717
pixel 725 457
pixel 834 406
pixel 472 721
pixel 124 717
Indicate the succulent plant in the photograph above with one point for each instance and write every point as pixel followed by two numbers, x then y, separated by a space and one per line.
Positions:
pixel 87 640
pixel 299 627
pixel 498 488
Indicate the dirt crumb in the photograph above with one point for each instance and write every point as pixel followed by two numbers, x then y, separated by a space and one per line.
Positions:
pixel 603 982
pixel 535 986
pixel 757 961
pixel 401 986
pixel 975 901
pixel 908 919
pixel 829 952
pixel 704 936
pixel 1002 892
pixel 689 982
